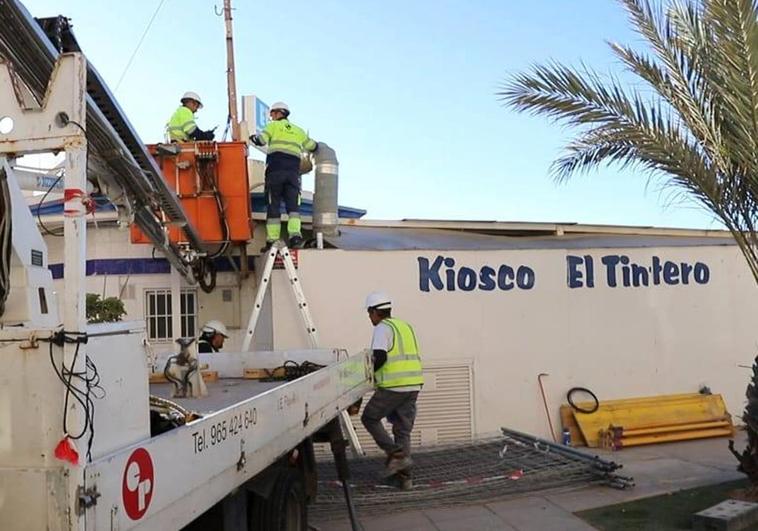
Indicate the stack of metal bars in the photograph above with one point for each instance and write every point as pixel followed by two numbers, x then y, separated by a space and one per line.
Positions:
pixel 473 472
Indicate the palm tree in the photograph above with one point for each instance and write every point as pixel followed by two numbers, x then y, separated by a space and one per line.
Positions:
pixel 694 122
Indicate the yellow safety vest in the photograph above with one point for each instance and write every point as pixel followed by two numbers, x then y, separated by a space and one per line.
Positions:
pixel 403 365
pixel 285 137
pixel 181 124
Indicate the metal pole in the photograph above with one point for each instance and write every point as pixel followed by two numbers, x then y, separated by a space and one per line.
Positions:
pixel 544 401
pixel 338 444
pixel 74 263
pixel 230 78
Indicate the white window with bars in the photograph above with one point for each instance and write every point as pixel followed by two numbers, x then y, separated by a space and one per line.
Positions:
pixel 158 314
pixel 188 299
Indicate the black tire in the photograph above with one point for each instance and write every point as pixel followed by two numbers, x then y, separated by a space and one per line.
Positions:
pixel 285 510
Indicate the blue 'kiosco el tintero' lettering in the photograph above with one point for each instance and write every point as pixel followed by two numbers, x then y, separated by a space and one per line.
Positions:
pixel 432 275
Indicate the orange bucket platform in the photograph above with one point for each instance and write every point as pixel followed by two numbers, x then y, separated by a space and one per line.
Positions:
pixel 211 182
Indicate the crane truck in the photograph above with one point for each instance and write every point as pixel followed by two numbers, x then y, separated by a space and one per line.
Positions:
pixel 85 442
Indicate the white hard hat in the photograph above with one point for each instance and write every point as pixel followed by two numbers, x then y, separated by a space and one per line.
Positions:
pixel 378 300
pixel 215 327
pixel 192 96
pixel 280 106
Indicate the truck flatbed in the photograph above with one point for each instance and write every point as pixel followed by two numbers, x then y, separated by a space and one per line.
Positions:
pixel 222 393
pixel 247 425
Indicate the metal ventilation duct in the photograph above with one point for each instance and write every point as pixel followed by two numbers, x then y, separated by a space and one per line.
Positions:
pixel 325 191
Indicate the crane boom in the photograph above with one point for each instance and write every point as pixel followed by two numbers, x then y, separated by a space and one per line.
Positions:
pixel 127 173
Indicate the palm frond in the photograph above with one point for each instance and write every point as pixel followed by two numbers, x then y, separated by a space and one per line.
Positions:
pixel 700 127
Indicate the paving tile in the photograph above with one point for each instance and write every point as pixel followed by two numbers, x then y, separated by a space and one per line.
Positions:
pixel 483 523
pixel 331 525
pixel 457 512
pixel 638 453
pixel 586 498
pixel 537 514
pixel 710 452
pixel 673 473
pixel 407 521
pixel 469 517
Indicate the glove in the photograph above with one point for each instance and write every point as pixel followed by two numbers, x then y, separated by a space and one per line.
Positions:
pixel 255 139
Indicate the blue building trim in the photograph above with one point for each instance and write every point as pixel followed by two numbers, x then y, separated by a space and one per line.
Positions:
pixel 257 200
pixel 143 266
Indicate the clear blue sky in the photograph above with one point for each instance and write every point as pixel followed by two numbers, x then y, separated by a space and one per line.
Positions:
pixel 403 90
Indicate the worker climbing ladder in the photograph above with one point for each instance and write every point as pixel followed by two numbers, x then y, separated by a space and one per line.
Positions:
pixel 280 249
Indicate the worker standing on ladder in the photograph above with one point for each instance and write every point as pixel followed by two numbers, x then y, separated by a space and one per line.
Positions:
pixel 286 144
pixel 399 378
pixel 182 127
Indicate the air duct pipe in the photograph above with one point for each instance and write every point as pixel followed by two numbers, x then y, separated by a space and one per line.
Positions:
pixel 325 191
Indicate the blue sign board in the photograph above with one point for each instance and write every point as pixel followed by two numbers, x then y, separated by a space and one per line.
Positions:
pixel 261 115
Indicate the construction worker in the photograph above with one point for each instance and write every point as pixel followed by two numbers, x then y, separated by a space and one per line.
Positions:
pixel 286 144
pixel 182 127
pixel 212 336
pixel 398 375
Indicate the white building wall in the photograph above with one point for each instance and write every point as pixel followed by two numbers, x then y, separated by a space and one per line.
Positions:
pixel 620 342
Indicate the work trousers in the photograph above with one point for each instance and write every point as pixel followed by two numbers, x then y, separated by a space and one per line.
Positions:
pixel 282 185
pixel 399 408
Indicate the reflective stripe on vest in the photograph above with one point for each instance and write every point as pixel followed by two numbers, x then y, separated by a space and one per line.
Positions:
pixel 286 137
pixel 181 124
pixel 403 365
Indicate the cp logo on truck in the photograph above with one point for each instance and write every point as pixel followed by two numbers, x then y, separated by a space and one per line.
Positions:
pixel 137 485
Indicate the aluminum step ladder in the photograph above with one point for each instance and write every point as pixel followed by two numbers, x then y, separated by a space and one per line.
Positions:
pixel 280 249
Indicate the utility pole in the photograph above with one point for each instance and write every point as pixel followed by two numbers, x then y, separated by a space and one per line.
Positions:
pixel 230 77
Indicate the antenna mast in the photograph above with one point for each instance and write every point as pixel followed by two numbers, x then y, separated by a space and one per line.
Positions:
pixel 230 77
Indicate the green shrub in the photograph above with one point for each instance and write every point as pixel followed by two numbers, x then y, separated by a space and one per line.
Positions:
pixel 107 310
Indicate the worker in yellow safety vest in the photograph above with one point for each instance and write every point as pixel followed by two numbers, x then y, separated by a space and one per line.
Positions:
pixel 399 378
pixel 286 143
pixel 182 127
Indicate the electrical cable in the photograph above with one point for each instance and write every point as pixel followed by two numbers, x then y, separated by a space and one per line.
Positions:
pixel 207 176
pixel 136 49
pixel 157 402
pixel 72 381
pixel 582 390
pixel 77 124
pixel 291 370
pixel 6 243
pixel 226 129
pixel 205 266
pixel 64 120
pixel 58 234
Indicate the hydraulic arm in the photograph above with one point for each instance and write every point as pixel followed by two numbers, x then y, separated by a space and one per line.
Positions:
pixel 120 166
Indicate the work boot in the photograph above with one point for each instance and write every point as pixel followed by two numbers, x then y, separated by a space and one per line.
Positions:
pixel 295 242
pixel 404 480
pixel 399 481
pixel 397 462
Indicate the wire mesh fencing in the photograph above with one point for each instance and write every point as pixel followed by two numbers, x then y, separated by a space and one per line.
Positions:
pixel 477 471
